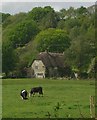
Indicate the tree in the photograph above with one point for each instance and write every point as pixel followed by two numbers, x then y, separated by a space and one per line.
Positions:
pixel 5 16
pixel 71 12
pixel 52 40
pixel 62 13
pixel 13 20
pixel 9 59
pixel 81 11
pixel 38 13
pixel 45 17
pixel 81 52
pixel 23 32
pixel 49 21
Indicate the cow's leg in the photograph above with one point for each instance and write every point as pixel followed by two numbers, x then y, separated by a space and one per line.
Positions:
pixel 22 97
pixel 29 94
pixel 42 94
pixel 39 95
pixel 33 94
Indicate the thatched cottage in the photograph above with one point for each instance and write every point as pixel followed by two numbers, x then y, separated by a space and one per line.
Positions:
pixel 48 64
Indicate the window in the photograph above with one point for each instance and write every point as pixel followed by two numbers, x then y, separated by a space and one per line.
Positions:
pixel 41 74
pixel 36 67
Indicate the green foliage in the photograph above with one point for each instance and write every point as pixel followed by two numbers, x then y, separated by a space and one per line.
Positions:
pixel 26 55
pixel 49 21
pixel 23 33
pixel 4 16
pixel 62 13
pixel 46 17
pixel 71 13
pixel 82 10
pixel 13 20
pixel 80 53
pixel 38 13
pixel 9 58
pixel 61 24
pixel 17 35
pixel 95 67
pixel 53 40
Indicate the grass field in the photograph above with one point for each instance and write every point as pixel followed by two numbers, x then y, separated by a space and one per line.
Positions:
pixel 68 97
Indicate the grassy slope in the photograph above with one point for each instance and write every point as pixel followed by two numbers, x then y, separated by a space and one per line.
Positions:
pixel 66 92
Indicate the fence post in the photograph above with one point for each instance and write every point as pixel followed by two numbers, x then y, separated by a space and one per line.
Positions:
pixel 92 105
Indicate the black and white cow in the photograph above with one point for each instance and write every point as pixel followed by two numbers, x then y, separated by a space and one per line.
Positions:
pixel 36 90
pixel 23 94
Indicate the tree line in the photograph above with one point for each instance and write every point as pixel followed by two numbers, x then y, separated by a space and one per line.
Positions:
pixel 71 31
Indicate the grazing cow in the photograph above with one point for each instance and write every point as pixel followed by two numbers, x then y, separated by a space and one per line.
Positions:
pixel 24 94
pixel 36 90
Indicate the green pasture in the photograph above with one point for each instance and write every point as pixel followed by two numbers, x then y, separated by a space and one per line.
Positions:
pixel 62 98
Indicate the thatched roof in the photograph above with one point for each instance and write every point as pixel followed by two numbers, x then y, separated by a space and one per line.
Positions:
pixel 52 59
